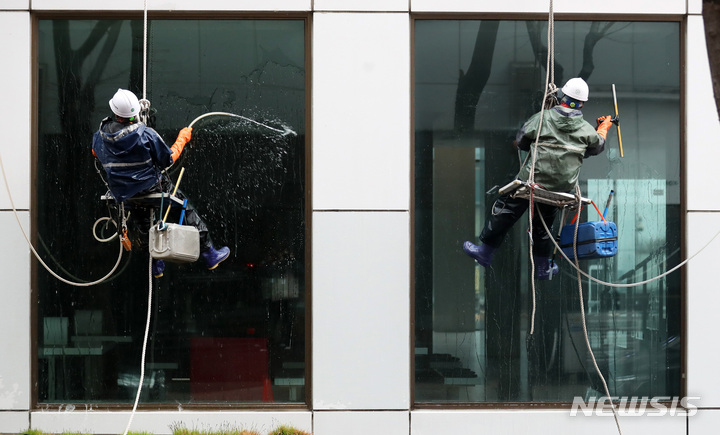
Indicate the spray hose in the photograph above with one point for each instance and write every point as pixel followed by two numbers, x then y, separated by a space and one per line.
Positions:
pixel 285 131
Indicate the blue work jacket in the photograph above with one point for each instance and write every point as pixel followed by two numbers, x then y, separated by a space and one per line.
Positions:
pixel 132 155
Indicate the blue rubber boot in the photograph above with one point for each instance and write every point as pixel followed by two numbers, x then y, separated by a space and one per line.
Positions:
pixel 483 254
pixel 213 256
pixel 545 268
pixel 158 268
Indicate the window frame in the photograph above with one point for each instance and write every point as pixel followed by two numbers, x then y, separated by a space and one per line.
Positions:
pixel 306 17
pixel 682 21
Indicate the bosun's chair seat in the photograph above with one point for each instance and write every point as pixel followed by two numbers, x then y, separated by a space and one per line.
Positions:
pixel 150 200
pixel 521 189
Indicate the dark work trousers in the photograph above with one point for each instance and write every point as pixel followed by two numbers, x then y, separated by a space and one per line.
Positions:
pixel 506 211
pixel 192 217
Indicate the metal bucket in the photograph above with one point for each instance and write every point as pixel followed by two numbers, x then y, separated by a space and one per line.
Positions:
pixel 175 243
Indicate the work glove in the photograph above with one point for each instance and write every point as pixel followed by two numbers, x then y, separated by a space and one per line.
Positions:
pixel 604 123
pixel 182 139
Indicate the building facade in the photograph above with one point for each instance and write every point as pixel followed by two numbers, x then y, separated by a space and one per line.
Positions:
pixel 344 150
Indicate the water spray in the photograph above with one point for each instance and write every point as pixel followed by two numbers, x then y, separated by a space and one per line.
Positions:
pixel 285 131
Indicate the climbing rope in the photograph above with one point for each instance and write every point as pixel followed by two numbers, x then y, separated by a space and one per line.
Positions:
pixel 550 89
pixel 144 349
pixel 145 44
pixel 144 102
pixel 144 109
pixel 626 285
pixel 582 313
pixel 34 251
pixel 576 265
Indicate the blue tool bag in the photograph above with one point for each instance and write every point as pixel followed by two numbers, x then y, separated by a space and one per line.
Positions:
pixel 595 239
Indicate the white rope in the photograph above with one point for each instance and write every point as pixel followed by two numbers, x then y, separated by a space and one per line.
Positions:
pixel 144 348
pixel 582 313
pixel 145 33
pixel 32 248
pixel 549 82
pixel 117 263
pixel 633 284
pixel 549 79
pixel 107 220
pixel 575 264
pixel 144 102
pixel 146 105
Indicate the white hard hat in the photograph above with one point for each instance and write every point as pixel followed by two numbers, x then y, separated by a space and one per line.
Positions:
pixel 125 104
pixel 576 88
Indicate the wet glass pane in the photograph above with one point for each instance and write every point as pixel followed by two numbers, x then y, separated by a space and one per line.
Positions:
pixel 235 334
pixel 476 83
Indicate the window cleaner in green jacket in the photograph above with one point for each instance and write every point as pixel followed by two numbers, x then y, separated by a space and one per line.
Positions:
pixel 565 140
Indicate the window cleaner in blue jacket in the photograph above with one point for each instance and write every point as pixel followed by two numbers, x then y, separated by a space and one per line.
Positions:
pixel 134 155
pixel 565 140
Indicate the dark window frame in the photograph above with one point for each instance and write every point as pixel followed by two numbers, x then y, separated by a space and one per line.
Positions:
pixel 306 17
pixel 682 21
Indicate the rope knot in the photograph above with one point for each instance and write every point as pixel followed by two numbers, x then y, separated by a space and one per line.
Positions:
pixel 551 99
pixel 144 110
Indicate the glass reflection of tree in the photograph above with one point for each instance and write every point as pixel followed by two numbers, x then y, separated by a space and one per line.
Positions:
pixel 67 196
pixel 76 90
pixel 472 82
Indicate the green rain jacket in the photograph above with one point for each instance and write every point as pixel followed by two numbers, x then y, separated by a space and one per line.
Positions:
pixel 565 140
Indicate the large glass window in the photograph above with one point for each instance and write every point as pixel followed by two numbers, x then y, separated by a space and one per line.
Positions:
pixel 476 83
pixel 232 335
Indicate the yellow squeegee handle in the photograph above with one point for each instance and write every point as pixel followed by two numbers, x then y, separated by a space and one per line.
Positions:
pixel 182 171
pixel 618 126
